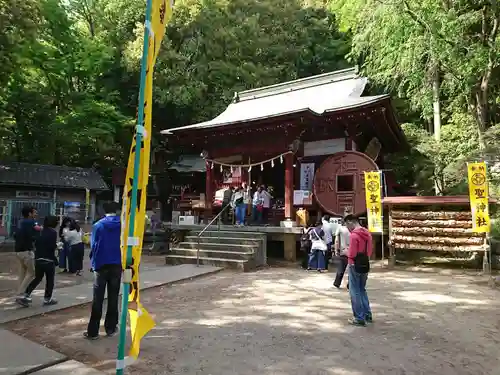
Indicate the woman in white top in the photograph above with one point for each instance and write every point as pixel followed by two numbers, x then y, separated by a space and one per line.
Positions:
pixel 239 206
pixel 74 237
pixel 318 248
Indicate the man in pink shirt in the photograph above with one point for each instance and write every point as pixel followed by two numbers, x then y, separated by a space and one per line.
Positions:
pixel 358 254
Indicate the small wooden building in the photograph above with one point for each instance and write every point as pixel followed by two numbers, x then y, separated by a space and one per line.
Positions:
pixel 309 137
pixel 51 189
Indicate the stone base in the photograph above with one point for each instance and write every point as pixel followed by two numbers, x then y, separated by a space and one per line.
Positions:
pixel 290 247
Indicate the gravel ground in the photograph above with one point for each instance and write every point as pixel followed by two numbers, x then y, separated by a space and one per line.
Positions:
pixel 287 321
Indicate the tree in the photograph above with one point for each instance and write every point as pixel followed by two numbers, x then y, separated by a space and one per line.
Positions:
pixel 438 55
pixel 215 48
pixel 55 107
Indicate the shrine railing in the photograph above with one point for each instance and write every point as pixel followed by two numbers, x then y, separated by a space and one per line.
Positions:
pixel 216 218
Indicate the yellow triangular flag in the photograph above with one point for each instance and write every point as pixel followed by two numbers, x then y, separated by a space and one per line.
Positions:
pixel 140 324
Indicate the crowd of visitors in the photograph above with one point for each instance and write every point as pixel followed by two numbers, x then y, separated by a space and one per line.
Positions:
pixel 240 198
pixel 350 244
pixel 344 240
pixel 37 247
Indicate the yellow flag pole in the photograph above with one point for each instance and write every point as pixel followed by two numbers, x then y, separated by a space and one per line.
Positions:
pixel 127 274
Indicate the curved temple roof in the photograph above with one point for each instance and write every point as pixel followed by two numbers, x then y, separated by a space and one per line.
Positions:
pixel 329 92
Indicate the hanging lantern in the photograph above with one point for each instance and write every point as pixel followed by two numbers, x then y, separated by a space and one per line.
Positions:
pixel 272 163
pixel 262 167
pixel 281 158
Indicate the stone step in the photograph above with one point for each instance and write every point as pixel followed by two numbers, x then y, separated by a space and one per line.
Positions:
pixel 223 254
pixel 242 265
pixel 230 234
pixel 217 246
pixel 225 240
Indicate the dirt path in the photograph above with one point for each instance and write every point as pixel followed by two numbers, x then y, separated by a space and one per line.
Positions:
pixel 287 321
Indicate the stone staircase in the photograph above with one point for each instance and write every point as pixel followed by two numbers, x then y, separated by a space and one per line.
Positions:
pixel 229 249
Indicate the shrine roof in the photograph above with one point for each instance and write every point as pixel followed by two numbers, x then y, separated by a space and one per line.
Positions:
pixel 320 94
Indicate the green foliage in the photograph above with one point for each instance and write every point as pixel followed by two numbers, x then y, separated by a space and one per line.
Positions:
pixel 73 97
pixel 429 52
pixel 70 73
pixel 215 48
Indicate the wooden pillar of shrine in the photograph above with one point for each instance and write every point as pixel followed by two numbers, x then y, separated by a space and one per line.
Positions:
pixel 208 191
pixel 289 214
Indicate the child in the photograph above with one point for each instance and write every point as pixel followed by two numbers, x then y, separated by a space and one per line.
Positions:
pixel 74 238
pixel 45 263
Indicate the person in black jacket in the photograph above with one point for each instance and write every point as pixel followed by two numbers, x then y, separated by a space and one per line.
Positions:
pixel 45 262
pixel 25 236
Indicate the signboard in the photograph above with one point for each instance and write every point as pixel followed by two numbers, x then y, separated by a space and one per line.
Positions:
pixel 306 176
pixel 302 198
pixel 373 188
pixel 478 191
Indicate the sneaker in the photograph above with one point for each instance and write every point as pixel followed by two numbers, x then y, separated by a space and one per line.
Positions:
pixel 26 297
pixel 356 322
pixel 23 301
pixel 86 335
pixel 369 318
pixel 49 302
pixel 112 333
pixel 63 270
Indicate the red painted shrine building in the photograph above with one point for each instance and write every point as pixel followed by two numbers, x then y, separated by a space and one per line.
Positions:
pixel 310 140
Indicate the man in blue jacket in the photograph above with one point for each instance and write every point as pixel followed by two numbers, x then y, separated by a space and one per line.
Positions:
pixel 106 263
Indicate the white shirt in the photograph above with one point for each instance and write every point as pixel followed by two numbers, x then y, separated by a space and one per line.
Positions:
pixel 257 198
pixel 237 195
pixel 266 199
pixel 73 237
pixel 343 234
pixel 246 195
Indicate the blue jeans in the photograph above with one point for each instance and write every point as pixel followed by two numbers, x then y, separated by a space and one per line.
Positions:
pixel 64 256
pixel 240 211
pixel 359 298
pixel 317 260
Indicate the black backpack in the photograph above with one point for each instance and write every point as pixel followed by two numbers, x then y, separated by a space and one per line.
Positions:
pixel 305 242
pixel 362 262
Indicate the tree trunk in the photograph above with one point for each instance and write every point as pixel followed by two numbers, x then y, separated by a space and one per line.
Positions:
pixel 436 105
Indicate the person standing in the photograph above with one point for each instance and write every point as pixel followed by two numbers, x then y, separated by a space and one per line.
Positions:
pixel 257 206
pixel 226 200
pixel 106 261
pixel 45 263
pixel 247 194
pixel 318 248
pixel 358 257
pixel 341 247
pixel 266 204
pixel 25 236
pixel 328 230
pixel 240 207
pixel 74 238
pixel 64 255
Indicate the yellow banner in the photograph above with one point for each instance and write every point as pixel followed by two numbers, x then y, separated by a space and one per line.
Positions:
pixel 161 13
pixel 478 191
pixel 373 189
